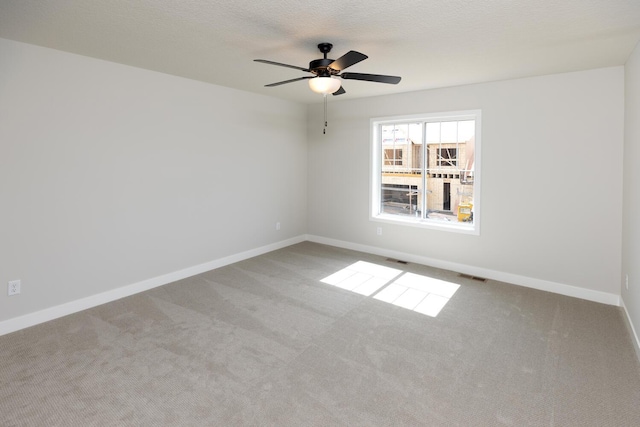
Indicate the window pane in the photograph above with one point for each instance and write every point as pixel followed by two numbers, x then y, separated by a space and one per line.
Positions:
pixel 449 132
pixel 401 169
pixel 466 130
pixel 433 132
pixel 401 199
pixel 447 155
pixel 450 172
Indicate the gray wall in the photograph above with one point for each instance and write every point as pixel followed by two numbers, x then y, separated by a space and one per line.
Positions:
pixel 631 211
pixel 112 175
pixel 551 180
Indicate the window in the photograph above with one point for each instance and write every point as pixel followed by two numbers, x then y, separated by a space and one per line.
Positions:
pixel 392 157
pixel 447 157
pixel 425 170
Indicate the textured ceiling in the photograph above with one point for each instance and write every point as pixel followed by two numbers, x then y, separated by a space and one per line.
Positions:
pixel 431 44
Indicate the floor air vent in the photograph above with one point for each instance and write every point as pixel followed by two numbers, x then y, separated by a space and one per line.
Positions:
pixel 468 276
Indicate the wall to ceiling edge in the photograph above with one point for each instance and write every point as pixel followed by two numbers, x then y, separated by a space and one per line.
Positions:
pixel 551 196
pixel 115 179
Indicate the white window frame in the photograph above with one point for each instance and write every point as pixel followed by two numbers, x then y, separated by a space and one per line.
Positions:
pixel 375 182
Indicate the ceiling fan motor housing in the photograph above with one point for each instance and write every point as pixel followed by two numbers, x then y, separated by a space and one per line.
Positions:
pixel 320 67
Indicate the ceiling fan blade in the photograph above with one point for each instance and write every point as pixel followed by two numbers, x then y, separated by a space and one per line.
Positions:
pixel 289 81
pixel 339 91
pixel 371 78
pixel 295 67
pixel 347 60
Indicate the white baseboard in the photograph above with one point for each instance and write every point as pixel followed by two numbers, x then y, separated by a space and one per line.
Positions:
pixel 543 285
pixel 51 313
pixel 634 334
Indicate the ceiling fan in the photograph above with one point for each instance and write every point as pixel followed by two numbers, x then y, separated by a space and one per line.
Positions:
pixel 326 70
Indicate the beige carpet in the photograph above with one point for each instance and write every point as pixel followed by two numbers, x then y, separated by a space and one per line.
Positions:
pixel 265 342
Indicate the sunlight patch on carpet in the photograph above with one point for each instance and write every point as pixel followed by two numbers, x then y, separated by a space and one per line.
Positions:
pixel 362 277
pixel 416 292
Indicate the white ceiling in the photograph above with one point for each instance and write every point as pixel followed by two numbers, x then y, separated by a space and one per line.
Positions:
pixel 431 44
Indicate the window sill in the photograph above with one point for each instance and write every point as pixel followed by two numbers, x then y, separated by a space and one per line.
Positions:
pixel 431 224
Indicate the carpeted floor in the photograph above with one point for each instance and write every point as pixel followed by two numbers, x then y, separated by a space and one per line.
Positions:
pixel 265 342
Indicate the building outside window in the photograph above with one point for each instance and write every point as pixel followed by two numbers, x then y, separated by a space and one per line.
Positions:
pixel 425 170
pixel 392 157
pixel 447 156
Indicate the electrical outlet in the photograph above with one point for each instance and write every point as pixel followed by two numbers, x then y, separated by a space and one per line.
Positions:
pixel 626 281
pixel 379 231
pixel 277 226
pixel 13 287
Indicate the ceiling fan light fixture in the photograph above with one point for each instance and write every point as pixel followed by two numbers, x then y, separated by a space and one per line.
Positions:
pixel 324 85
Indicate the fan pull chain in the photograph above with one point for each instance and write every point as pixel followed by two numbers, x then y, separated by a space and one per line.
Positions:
pixel 324 131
